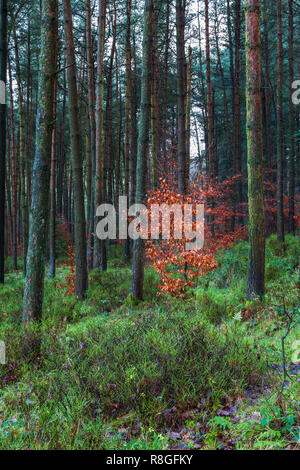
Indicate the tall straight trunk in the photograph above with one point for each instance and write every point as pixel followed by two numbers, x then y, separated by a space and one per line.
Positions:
pixel 52 224
pixel 29 126
pixel 61 165
pixel 155 122
pixel 8 184
pixel 181 91
pixel 79 213
pixel 109 115
pixel 188 113
pixel 237 99
pixel 269 149
pixel 137 279
pixel 24 207
pixel 202 89
pixel 14 172
pixel 227 117
pixel 99 245
pixel 3 67
pixel 292 123
pixel 34 287
pixel 134 131
pixel 166 76
pixel 256 270
pixel 238 167
pixel 128 111
pixel 211 143
pixel 92 129
pixel 230 46
pixel 118 139
pixel 280 148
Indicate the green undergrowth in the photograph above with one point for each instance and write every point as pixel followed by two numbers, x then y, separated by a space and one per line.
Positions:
pixel 111 374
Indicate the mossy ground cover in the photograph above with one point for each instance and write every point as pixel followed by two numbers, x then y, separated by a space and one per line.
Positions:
pixel 199 373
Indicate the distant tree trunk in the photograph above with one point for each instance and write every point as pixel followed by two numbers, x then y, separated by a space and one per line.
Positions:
pixel 61 163
pixel 238 167
pixel 292 123
pixel 269 150
pixel 143 144
pixel 128 109
pixel 166 75
pixel 108 115
pixel 24 208
pixel 202 91
pixel 52 224
pixel 256 271
pixel 155 122
pixel 237 100
pixel 181 91
pixel 230 46
pixel 3 67
pixel 134 131
pixel 29 120
pixel 188 114
pixel 92 121
pixel 34 287
pixel 118 139
pixel 79 223
pixel 99 245
pixel 211 143
pixel 14 171
pixel 280 147
pixel 227 117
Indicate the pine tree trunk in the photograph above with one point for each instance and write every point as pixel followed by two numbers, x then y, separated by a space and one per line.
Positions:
pixel 134 131
pixel 79 212
pixel 34 287
pixel 280 148
pixel 155 124
pixel 92 130
pixel 188 114
pixel 3 67
pixel 24 207
pixel 269 149
pixel 227 117
pixel 143 144
pixel 99 245
pixel 292 123
pixel 166 75
pixel 14 171
pixel 109 116
pixel 128 103
pixel 52 224
pixel 181 131
pixel 256 271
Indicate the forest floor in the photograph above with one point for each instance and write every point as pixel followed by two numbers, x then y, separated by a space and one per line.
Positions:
pixel 205 372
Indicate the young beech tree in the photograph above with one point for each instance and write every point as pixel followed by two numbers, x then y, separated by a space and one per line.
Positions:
pixel 143 142
pixel 3 61
pixel 256 270
pixel 33 294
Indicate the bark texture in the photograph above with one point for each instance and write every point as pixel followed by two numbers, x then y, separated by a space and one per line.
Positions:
pixel 34 287
pixel 3 66
pixel 143 144
pixel 256 271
